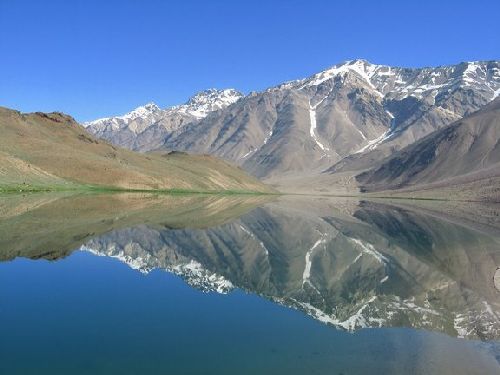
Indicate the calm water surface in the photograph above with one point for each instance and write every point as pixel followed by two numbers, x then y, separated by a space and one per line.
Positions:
pixel 127 284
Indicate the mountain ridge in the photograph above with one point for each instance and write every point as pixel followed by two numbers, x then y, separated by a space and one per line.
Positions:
pixel 123 130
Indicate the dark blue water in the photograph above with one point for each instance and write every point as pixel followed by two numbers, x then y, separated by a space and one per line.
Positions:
pixel 94 315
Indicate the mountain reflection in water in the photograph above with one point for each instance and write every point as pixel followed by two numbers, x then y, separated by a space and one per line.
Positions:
pixel 350 264
pixel 380 266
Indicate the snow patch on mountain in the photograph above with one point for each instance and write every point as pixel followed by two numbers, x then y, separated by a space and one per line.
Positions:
pixel 496 94
pixel 312 130
pixel 372 145
pixel 306 275
pixel 312 119
pixel 368 249
pixel 253 149
pixel 261 244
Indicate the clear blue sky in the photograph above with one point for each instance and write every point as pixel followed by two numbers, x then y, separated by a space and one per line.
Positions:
pixel 99 58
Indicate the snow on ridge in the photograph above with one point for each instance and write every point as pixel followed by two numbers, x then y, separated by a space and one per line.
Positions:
pixel 142 111
pixel 362 67
pixel 381 80
pixel 198 106
pixel 403 82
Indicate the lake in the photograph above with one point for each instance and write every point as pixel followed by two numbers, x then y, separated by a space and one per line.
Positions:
pixel 165 284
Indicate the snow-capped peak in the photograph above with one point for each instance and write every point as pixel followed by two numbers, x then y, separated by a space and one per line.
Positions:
pixel 148 107
pixel 149 110
pixel 362 67
pixel 142 111
pixel 197 107
pixel 421 83
pixel 204 102
pixel 226 96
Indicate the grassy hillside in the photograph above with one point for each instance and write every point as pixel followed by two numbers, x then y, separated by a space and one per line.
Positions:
pixel 52 152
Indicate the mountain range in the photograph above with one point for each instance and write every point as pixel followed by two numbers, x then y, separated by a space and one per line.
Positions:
pixel 320 132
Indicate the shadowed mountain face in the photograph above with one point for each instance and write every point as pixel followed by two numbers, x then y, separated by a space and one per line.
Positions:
pixel 465 151
pixel 347 263
pixel 344 119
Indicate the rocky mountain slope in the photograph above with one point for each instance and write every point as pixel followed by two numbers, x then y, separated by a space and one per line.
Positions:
pixel 344 119
pixel 466 151
pixel 51 151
